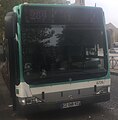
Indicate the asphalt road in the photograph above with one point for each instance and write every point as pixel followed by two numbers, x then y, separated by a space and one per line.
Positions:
pixel 101 111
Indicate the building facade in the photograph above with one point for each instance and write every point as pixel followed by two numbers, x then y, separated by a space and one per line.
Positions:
pixel 112 34
pixel 80 2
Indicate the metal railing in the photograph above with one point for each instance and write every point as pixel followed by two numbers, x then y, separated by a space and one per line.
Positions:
pixel 113 62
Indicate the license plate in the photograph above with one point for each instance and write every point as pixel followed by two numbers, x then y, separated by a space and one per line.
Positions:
pixel 71 104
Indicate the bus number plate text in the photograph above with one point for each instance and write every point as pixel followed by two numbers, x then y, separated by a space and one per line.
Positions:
pixel 100 82
pixel 71 104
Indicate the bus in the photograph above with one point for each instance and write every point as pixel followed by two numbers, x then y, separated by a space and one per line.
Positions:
pixel 56 56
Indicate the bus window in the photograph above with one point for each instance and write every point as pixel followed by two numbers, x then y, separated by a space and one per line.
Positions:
pixel 59 50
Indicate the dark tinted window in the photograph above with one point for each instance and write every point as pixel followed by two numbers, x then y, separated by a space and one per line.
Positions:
pixel 56 53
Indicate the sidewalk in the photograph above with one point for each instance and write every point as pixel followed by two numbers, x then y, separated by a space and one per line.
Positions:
pixel 6 112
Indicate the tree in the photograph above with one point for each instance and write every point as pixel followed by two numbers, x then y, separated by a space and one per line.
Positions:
pixel 7 5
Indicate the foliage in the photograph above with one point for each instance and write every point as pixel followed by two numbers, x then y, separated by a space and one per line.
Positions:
pixel 7 5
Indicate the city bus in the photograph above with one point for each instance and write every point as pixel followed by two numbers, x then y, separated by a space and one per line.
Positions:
pixel 56 56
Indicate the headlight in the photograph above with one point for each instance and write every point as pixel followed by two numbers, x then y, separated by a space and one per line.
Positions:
pixel 102 90
pixel 28 101
pixel 109 89
pixel 22 101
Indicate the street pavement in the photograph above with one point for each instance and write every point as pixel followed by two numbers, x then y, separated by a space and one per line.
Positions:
pixel 101 111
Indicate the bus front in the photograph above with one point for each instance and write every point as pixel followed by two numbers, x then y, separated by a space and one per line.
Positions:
pixel 63 56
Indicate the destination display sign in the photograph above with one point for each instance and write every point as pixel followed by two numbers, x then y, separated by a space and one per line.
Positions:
pixel 61 15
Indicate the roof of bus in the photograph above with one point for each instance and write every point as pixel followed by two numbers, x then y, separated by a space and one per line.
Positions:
pixel 57 5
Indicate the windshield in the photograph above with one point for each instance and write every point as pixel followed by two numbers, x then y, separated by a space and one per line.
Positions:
pixel 58 53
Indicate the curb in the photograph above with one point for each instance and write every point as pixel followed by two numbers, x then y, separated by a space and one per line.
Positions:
pixel 114 73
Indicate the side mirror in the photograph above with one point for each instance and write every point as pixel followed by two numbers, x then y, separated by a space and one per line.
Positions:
pixel 10 25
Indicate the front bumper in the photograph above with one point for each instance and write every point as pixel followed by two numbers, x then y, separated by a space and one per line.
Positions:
pixel 45 106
